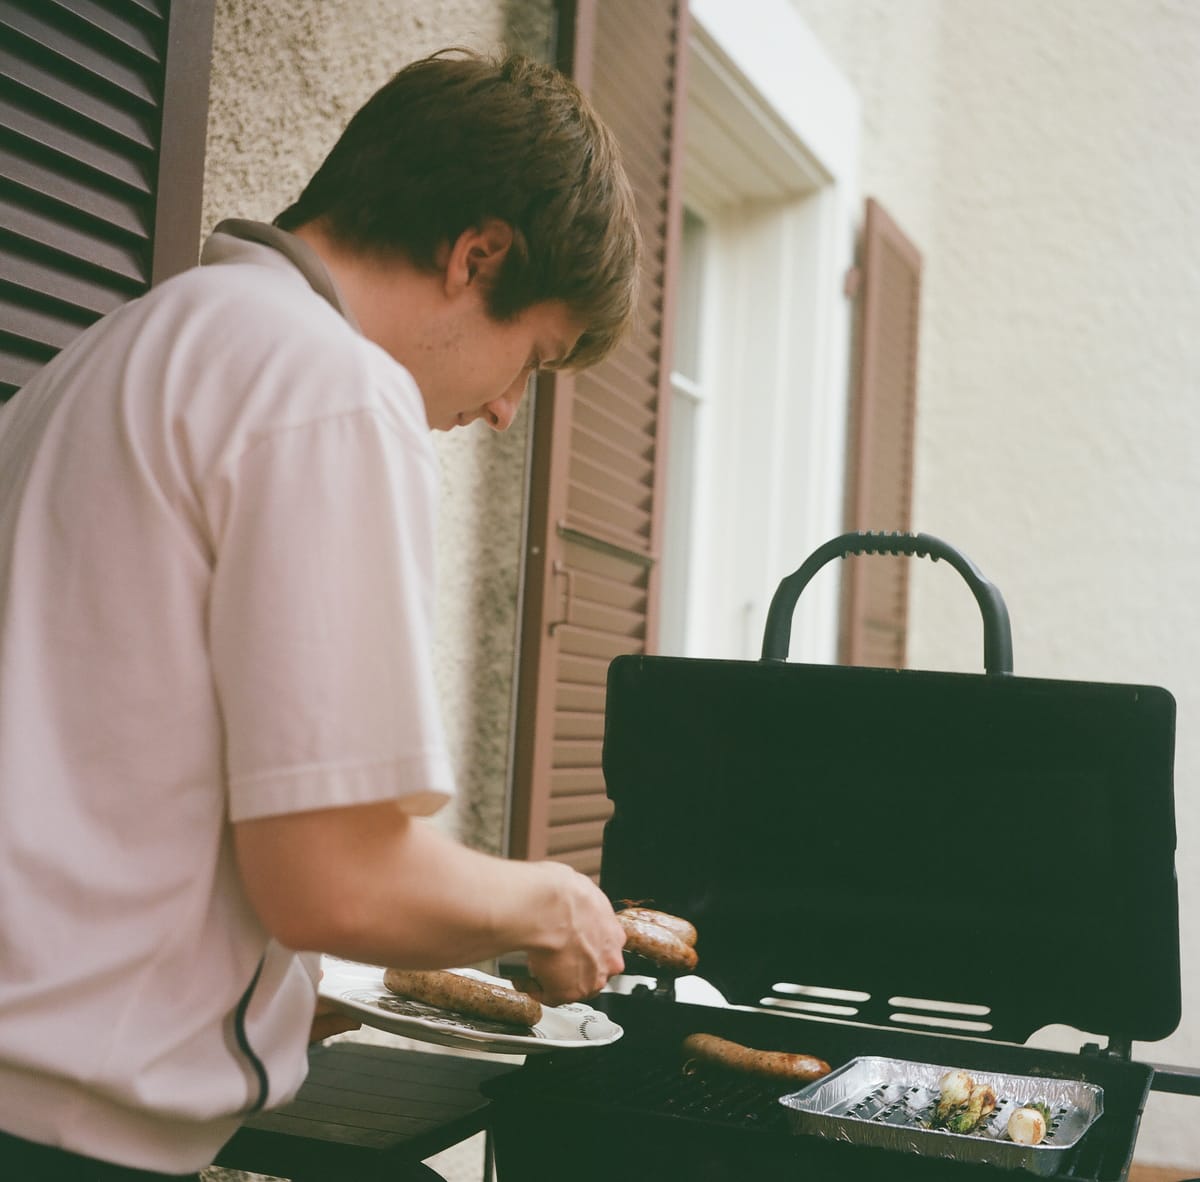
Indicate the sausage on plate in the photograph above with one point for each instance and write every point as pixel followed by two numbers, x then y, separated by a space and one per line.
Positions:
pixel 465 995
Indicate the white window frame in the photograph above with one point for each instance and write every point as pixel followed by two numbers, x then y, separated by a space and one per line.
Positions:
pixel 771 167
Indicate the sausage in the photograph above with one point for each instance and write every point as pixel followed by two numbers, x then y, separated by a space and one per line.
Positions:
pixel 657 945
pixel 465 995
pixel 785 1065
pixel 673 923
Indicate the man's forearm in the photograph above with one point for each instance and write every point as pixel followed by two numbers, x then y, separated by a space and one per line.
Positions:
pixel 371 883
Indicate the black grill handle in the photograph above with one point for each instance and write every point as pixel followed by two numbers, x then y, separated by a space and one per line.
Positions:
pixel 997 632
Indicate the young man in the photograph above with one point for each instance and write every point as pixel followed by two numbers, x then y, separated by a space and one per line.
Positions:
pixel 218 722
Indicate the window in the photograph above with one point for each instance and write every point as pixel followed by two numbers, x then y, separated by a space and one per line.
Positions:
pixel 762 328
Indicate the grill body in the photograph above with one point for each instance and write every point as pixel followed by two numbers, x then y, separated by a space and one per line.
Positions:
pixel 629 1111
pixel 886 835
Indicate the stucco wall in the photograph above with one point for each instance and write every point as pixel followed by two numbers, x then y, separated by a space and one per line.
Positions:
pixel 1043 158
pixel 287 75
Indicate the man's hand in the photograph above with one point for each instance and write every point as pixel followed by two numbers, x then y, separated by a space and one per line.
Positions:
pixel 576 961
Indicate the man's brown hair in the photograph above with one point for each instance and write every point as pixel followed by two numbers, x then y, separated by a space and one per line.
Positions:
pixel 457 138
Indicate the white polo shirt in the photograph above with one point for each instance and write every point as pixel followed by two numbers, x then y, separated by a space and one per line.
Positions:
pixel 216 560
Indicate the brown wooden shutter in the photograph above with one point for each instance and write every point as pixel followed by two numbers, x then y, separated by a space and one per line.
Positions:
pixel 595 521
pixel 103 114
pixel 883 413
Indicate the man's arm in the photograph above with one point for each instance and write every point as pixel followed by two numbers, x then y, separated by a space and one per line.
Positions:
pixel 371 883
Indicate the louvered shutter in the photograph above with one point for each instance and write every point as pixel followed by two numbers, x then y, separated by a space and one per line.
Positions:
pixel 103 112
pixel 595 520
pixel 883 415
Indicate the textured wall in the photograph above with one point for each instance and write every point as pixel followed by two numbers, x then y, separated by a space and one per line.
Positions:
pixel 287 75
pixel 1043 156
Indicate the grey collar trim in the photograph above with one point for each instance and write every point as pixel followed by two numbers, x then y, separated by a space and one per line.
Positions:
pixel 297 252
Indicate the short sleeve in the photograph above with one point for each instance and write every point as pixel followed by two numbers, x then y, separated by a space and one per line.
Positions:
pixel 321 620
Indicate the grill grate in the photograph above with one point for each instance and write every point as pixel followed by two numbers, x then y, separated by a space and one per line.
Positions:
pixel 659 1087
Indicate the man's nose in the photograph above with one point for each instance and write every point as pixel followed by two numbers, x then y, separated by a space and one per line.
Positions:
pixel 501 411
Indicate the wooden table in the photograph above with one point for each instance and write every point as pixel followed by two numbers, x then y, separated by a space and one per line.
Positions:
pixel 366 1113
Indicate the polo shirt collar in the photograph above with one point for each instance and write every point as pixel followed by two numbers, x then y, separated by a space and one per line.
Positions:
pixel 295 250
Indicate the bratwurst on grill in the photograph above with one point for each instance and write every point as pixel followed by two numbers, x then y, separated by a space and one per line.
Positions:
pixel 708 1048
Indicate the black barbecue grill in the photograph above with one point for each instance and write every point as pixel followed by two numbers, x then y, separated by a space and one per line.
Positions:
pixel 923 866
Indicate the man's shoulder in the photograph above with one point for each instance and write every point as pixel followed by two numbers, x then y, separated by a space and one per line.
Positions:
pixel 288 354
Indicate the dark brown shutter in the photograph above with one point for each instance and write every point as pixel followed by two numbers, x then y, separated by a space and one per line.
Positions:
pixel 595 524
pixel 103 113
pixel 883 414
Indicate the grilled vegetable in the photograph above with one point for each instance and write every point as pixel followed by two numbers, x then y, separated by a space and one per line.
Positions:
pixel 1028 1125
pixel 955 1089
pixel 981 1103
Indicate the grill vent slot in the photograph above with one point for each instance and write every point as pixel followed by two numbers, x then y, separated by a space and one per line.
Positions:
pixel 856 1005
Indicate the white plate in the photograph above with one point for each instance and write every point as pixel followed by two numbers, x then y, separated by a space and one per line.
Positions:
pixel 358 989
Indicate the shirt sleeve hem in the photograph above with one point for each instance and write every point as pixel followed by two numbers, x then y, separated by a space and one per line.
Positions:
pixel 420 786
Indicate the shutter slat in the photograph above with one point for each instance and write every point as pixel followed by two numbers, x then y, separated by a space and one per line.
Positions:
pixel 600 617
pixel 578 724
pixel 590 642
pixel 584 501
pixel 625 437
pixel 593 449
pixel 77 53
pixel 577 753
pixel 579 697
pixel 582 670
pixel 103 26
pixel 605 531
pixel 43 281
pixel 608 592
pixel 126 262
pixel 155 11
pixel 566 810
pixel 131 171
pixel 40 180
pixel 17 364
pixel 43 329
pixel 585 781
pixel 38 87
pixel 624 371
pixel 580 837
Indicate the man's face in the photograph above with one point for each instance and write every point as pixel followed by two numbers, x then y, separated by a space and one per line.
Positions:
pixel 481 367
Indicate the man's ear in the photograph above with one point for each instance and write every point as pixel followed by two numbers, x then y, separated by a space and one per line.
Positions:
pixel 477 255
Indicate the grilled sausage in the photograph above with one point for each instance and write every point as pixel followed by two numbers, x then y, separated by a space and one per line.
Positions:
pixel 657 944
pixel 708 1048
pixel 673 923
pixel 465 995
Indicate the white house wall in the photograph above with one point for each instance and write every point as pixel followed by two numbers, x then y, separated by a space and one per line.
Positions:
pixel 1043 157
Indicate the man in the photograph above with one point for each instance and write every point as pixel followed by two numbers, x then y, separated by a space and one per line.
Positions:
pixel 218 726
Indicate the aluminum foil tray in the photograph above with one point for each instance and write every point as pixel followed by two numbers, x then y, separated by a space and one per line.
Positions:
pixel 888 1103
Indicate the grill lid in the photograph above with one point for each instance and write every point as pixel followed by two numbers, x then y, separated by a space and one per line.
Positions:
pixel 1002 842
